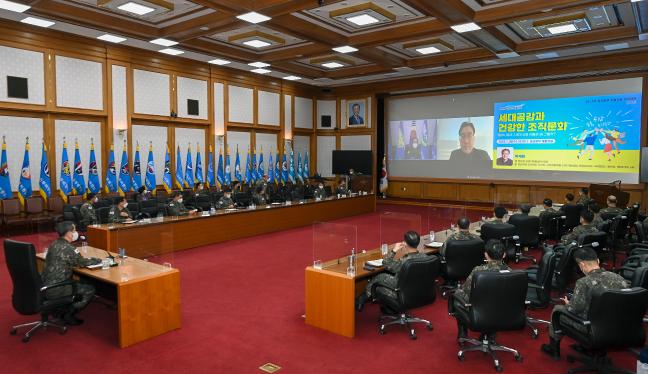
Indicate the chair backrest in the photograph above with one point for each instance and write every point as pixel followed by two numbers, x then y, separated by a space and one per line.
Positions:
pixel 216 196
pixel 618 227
pixel 77 216
pixel 527 228
pixel 416 281
pixel 498 301
pixel 549 225
pixel 572 215
pixel 34 205
pixel 102 214
pixel 631 264
pixel 21 263
pixel 599 237
pixel 203 202
pixel 10 207
pixel 640 277
pixel 461 256
pixel 75 199
pixel 609 215
pixel 497 231
pixel 103 203
pixel 610 329
pixel 639 231
pixel 565 267
pixel 242 198
pixel 544 278
pixel 55 204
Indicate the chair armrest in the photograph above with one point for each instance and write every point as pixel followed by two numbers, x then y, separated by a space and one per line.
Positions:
pixel 60 284
pixel 533 285
pixel 574 317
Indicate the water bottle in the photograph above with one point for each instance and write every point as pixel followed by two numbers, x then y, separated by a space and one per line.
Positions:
pixel 642 362
pixel 432 236
pixel 352 258
pixel 212 210
pixel 112 210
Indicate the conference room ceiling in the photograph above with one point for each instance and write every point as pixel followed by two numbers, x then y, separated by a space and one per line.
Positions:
pixel 393 38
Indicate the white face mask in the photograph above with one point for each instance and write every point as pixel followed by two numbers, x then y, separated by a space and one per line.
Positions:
pixel 125 205
pixel 321 187
pixel 179 200
pixel 75 236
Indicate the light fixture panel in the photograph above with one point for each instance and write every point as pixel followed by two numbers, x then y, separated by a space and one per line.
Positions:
pixel 253 17
pixel 135 8
pixel 466 27
pixel 219 61
pixel 345 49
pixel 171 51
pixel 259 64
pixel 13 7
pixel 164 42
pixel 37 22
pixel 363 20
pixel 111 38
pixel 256 43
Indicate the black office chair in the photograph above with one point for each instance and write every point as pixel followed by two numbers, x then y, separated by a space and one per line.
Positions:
pixel 149 207
pixel 618 230
pixel 415 288
pixel 539 287
pixel 640 277
pixel 528 229
pixel 506 233
pixel 461 256
pixel 28 297
pixel 631 264
pixel 497 303
pixel 602 249
pixel 102 214
pixel 78 221
pixel 203 202
pixel 241 199
pixel 565 268
pixel 604 329
pixel 640 234
pixel 550 225
pixel 572 215
pixel 606 216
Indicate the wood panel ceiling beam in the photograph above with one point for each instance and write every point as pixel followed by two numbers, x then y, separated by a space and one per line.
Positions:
pixel 302 51
pixel 594 36
pixel 449 11
pixel 427 28
pixel 356 71
pixel 298 69
pixel 220 50
pixel 461 56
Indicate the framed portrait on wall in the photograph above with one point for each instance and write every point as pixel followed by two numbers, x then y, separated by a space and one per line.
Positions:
pixel 356 113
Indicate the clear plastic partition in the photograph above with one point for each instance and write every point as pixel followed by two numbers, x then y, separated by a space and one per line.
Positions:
pixel 144 246
pixel 393 225
pixel 335 246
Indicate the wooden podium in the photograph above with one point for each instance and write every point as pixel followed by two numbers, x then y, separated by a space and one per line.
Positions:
pixel 600 192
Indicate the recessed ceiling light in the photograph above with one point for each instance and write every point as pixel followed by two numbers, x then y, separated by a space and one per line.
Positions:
pixel 612 47
pixel 253 17
pixel 507 55
pixel 363 20
pixel 256 43
pixel 171 51
pixel 135 8
pixel 259 64
pixel 14 7
pixel 427 50
pixel 111 38
pixel 403 68
pixel 219 61
pixel 164 42
pixel 332 65
pixel 260 71
pixel 555 30
pixel 635 1
pixel 292 78
pixel 543 56
pixel 37 22
pixel 466 27
pixel 345 49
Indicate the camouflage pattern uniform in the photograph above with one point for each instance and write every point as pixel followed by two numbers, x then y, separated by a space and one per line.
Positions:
pixel 259 198
pixel 547 210
pixel 598 279
pixel 459 235
pixel 225 202
pixel 342 190
pixel 576 232
pixel 116 216
pixel 392 266
pixel 177 208
pixel 61 259
pixel 597 220
pixel 319 193
pixel 611 210
pixel 583 200
pixel 88 215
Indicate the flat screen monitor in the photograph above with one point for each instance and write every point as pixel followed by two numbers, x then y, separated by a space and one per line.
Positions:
pixel 360 161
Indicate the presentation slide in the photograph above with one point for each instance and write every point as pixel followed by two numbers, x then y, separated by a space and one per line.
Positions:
pixel 587 134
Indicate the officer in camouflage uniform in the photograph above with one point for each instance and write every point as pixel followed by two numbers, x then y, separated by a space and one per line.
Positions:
pixel 498 215
pixel 88 215
pixel 260 197
pixel 176 206
pixel 585 227
pixel 583 198
pixel 612 206
pixel 494 255
pixel 342 188
pixel 226 200
pixel 120 212
pixel 595 279
pixel 596 211
pixel 462 234
pixel 62 258
pixel 320 192
pixel 393 262
pixel 547 204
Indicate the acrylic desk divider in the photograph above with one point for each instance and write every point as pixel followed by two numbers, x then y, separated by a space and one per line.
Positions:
pixel 128 248
pixel 335 247
pixel 394 225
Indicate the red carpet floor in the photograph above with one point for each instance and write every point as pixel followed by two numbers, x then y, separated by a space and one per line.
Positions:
pixel 242 306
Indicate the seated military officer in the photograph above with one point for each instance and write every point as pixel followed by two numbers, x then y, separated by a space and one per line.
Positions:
pixel 595 279
pixel 585 227
pixel 494 254
pixel 62 258
pixel 176 206
pixel 320 192
pixel 120 212
pixel 583 197
pixel 88 215
pixel 569 200
pixel 200 190
pixel 142 194
pixel 611 206
pixel 498 215
pixel 596 211
pixel 342 188
pixel 547 207
pixel 226 200
pixel 462 234
pixel 260 197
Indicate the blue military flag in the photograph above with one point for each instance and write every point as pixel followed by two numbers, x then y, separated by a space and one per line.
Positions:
pixel 199 172
pixel 300 175
pixel 25 186
pixel 292 166
pixel 45 181
pixel 94 185
pixel 228 173
pixel 189 173
pixel 253 173
pixel 260 168
pixel 305 170
pixel 220 172
pixel 137 169
pixel 178 172
pixel 277 168
pixel 5 183
pixel 211 180
pixel 124 173
pixel 271 177
pixel 166 178
pixel 237 166
pixel 249 176
pixel 65 182
pixel 78 182
pixel 149 180
pixel 284 169
pixel 111 173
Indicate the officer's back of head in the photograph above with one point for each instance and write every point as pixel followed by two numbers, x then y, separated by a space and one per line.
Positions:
pixel 548 203
pixel 525 208
pixel 494 249
pixel 499 211
pixel 586 217
pixel 412 239
pixel 463 223
pixel 62 228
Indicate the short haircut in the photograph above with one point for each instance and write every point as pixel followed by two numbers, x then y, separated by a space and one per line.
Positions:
pixel 506 150
pixel 141 189
pixel 585 190
pixel 90 196
pixel 463 223
pixel 612 199
pixel 585 254
pixel 355 105
pixel 176 194
pixel 412 239
pixel 227 189
pixel 64 227
pixel 569 196
pixel 594 207
pixel 122 199
pixel 466 124
pixel 547 202
pixel 495 249
pixel 499 211
pixel 586 215
pixel 525 208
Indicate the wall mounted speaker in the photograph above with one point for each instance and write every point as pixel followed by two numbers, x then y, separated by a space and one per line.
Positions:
pixel 192 107
pixel 326 121
pixel 17 87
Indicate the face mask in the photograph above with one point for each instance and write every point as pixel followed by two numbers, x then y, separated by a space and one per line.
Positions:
pixel 179 200
pixel 75 236
pixel 94 201
pixel 125 205
pixel 321 187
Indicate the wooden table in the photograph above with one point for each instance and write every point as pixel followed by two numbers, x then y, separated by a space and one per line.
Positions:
pixel 171 234
pixel 147 295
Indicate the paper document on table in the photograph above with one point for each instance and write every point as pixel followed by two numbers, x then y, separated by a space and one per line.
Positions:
pixel 376 263
pixel 434 245
pixel 130 221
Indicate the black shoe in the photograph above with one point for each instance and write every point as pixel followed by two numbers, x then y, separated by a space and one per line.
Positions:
pixel 360 301
pixel 71 320
pixel 551 351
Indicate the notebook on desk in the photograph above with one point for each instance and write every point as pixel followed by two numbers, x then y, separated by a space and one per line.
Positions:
pixel 376 263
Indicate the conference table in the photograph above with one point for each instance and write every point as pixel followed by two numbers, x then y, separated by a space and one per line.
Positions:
pixel 330 292
pixel 157 236
pixel 147 295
